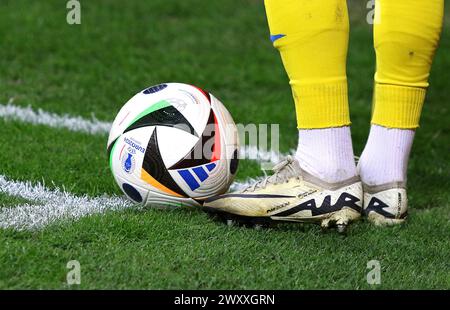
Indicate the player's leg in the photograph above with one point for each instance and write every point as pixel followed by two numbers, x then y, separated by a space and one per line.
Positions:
pixel 406 35
pixel 312 38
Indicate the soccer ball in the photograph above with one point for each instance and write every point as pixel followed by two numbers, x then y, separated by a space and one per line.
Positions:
pixel 173 145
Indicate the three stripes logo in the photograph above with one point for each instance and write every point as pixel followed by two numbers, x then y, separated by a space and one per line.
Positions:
pixel 194 177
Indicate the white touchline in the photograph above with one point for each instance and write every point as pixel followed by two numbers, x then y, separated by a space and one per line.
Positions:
pixel 48 206
pixel 41 117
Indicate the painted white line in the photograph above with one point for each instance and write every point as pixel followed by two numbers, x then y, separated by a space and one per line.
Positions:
pixel 41 117
pixel 253 153
pixel 49 206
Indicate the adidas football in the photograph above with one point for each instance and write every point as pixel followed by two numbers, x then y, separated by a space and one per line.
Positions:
pixel 173 145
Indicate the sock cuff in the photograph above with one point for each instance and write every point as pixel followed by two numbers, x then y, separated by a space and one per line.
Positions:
pixel 398 106
pixel 321 105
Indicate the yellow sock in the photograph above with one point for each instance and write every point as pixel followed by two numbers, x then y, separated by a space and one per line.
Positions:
pixel 312 37
pixel 406 35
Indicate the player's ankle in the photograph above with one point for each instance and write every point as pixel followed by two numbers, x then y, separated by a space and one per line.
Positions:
pixel 385 156
pixel 327 153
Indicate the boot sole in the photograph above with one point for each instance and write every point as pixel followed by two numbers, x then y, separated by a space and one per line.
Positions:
pixel 339 219
pixel 382 221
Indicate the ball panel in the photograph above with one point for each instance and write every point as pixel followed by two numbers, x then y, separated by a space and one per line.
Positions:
pixel 192 105
pixel 128 153
pixel 203 151
pixel 154 166
pixel 201 182
pixel 160 200
pixel 166 115
pixel 174 144
pixel 133 107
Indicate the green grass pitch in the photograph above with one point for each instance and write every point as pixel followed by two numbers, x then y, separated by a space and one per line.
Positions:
pixel 223 46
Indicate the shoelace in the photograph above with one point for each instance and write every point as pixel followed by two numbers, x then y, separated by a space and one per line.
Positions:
pixel 281 173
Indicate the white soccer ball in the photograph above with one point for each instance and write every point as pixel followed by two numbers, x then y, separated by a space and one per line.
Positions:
pixel 173 145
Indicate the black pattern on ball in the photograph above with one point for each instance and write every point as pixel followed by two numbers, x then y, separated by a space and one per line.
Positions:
pixel 132 192
pixel 234 163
